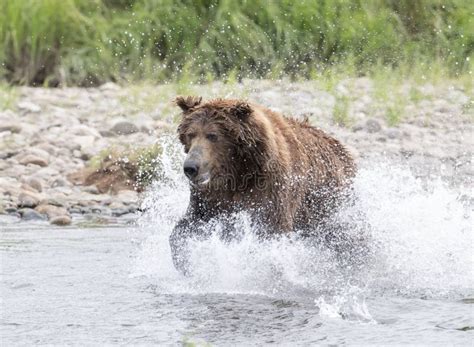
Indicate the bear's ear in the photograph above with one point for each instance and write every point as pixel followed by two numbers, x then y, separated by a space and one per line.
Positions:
pixel 241 110
pixel 188 102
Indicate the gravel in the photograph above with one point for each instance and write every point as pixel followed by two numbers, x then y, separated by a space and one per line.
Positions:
pixel 52 133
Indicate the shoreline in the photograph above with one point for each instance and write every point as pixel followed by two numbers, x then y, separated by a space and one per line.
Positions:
pixel 47 135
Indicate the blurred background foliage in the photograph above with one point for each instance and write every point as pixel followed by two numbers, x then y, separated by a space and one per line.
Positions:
pixel 88 42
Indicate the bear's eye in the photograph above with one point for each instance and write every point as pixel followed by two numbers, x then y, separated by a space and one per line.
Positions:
pixel 211 137
pixel 191 136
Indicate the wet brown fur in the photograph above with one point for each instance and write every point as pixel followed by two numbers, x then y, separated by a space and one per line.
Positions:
pixel 285 172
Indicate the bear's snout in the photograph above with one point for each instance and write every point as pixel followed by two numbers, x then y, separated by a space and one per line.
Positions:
pixel 196 167
pixel 191 169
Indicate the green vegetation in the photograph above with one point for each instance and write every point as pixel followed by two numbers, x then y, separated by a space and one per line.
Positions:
pixel 8 97
pixel 341 111
pixel 415 95
pixel 135 167
pixel 394 113
pixel 187 342
pixel 87 42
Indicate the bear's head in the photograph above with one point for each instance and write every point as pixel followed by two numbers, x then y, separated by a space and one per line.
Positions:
pixel 218 136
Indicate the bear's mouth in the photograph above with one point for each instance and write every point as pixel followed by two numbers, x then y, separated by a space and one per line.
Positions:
pixel 202 180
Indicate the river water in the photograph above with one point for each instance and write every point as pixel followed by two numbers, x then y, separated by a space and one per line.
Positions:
pixel 117 285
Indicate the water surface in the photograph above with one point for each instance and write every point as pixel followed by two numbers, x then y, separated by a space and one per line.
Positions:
pixel 117 285
pixel 69 286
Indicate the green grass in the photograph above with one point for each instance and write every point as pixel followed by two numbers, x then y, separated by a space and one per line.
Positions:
pixel 188 342
pixel 8 97
pixel 143 97
pixel 341 111
pixel 87 42
pixel 394 114
pixel 415 95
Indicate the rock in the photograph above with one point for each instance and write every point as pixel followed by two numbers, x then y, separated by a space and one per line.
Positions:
pixel 29 107
pixel 124 128
pixel 60 182
pixel 76 153
pixel 85 156
pixel 83 141
pixel 98 210
pixel 86 146
pixel 91 189
pixel 9 184
pixel 11 210
pixel 26 187
pixel 51 211
pixel 113 204
pixel 75 211
pixel 56 200
pixel 120 212
pixel 70 146
pixel 38 152
pixel 393 133
pixel 107 133
pixel 44 146
pixel 82 209
pixel 146 130
pixel 373 126
pixel 118 209
pixel 360 115
pixel 127 197
pixel 408 149
pixel 35 184
pixel 87 199
pixel 13 128
pixel 62 152
pixel 358 127
pixel 28 199
pixel 3 164
pixel 84 130
pixel 132 207
pixel 30 214
pixel 61 220
pixel 109 86
pixel 33 159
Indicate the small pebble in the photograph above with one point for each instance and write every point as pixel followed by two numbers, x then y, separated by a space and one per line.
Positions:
pixel 35 160
pixel 30 214
pixel 373 126
pixel 27 199
pixel 60 220
pixel 124 128
pixel 35 184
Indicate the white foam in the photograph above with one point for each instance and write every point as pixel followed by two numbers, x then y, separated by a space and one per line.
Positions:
pixel 422 230
pixel 350 305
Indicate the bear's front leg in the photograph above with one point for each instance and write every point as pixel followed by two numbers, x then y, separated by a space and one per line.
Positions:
pixel 185 230
pixel 179 240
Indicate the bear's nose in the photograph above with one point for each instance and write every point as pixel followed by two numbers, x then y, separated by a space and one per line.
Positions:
pixel 191 170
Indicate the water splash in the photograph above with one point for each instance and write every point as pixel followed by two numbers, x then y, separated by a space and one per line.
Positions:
pixel 350 305
pixel 422 230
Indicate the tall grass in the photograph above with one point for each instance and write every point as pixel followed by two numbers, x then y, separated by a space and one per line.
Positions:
pixel 35 34
pixel 87 42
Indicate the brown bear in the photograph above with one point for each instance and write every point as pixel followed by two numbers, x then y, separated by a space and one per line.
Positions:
pixel 287 174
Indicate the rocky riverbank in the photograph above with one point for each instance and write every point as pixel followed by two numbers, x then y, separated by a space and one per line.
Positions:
pixel 49 137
